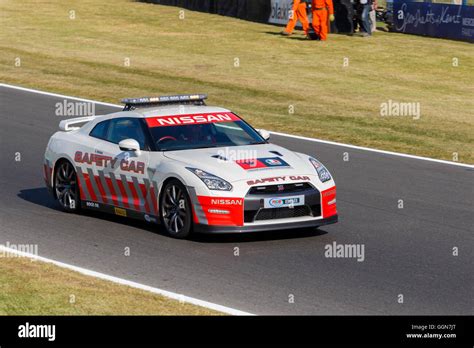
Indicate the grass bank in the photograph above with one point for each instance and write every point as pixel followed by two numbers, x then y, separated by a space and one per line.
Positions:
pixel 37 288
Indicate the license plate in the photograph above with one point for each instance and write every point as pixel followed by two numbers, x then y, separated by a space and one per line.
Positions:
pixel 283 202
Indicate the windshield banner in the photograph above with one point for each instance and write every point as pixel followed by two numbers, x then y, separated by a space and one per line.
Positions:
pixel 181 120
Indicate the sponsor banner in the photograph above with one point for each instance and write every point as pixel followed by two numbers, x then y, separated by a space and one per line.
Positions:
pixel 259 163
pixel 436 20
pixel 183 120
pixel 283 202
pixel 280 11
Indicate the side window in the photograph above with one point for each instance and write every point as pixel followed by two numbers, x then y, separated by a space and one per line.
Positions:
pixel 126 128
pixel 100 130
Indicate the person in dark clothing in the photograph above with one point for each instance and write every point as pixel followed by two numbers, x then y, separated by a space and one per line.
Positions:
pixel 344 12
pixel 357 22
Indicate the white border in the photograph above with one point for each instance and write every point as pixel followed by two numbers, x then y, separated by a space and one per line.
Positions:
pixel 276 133
pixel 169 294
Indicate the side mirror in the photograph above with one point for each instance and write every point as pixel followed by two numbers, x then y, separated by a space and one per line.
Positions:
pixel 264 133
pixel 129 145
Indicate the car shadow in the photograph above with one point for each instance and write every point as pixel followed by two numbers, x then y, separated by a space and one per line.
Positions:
pixel 248 237
pixel 41 196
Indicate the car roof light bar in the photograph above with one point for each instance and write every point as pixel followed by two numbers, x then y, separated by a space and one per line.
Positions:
pixel 180 99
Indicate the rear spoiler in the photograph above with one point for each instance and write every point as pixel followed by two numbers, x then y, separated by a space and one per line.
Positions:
pixel 65 125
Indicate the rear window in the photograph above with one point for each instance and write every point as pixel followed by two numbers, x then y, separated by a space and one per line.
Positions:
pixel 100 130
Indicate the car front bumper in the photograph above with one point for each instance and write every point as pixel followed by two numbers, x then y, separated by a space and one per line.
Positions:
pixel 201 228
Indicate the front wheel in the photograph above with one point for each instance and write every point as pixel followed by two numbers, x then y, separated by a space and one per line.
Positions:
pixel 175 210
pixel 66 187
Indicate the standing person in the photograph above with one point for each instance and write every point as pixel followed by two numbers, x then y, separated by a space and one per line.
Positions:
pixel 366 26
pixel 298 13
pixel 345 13
pixel 357 16
pixel 320 17
pixel 373 16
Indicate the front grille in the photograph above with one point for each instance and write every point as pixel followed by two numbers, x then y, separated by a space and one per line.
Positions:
pixel 254 209
pixel 282 213
pixel 249 215
pixel 279 189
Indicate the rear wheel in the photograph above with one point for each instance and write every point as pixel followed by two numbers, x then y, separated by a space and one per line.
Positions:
pixel 175 210
pixel 66 187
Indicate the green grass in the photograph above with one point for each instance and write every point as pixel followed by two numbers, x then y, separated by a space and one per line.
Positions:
pixel 37 288
pixel 85 57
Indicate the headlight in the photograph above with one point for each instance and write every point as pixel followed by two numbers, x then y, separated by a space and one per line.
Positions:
pixel 323 173
pixel 212 182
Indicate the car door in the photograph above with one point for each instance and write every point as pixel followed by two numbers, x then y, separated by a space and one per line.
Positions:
pixel 86 168
pixel 124 178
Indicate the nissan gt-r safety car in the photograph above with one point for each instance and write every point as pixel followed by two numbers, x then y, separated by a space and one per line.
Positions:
pixel 174 160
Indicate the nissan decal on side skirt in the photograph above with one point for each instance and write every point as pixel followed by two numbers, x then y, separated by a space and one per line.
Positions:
pixel 190 167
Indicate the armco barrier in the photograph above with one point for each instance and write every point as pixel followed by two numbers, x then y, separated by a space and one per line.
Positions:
pixel 436 20
pixel 252 10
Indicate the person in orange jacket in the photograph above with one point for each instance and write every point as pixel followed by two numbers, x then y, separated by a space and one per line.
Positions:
pixel 320 10
pixel 298 12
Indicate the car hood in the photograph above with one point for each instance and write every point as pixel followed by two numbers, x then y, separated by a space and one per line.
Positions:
pixel 232 163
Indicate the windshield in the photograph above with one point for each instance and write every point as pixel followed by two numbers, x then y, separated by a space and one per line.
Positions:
pixel 213 130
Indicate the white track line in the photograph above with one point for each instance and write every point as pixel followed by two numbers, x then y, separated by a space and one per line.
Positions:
pixel 58 95
pixel 169 294
pixel 276 133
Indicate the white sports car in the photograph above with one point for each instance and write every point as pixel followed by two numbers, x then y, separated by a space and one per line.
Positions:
pixel 191 167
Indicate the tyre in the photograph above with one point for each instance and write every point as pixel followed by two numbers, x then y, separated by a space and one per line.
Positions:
pixel 66 187
pixel 175 210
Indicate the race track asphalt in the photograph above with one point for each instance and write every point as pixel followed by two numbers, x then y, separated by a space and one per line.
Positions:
pixel 408 251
